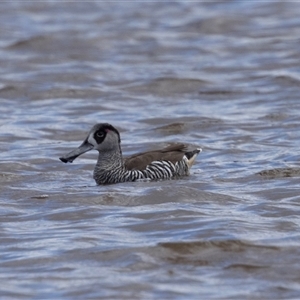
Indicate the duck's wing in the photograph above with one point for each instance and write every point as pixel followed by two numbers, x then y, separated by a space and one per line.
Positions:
pixel 140 161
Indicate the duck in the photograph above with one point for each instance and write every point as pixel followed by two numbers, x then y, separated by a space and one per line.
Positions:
pixel 170 162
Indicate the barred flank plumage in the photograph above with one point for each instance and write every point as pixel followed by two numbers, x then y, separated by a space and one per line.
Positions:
pixel 154 171
pixel 170 162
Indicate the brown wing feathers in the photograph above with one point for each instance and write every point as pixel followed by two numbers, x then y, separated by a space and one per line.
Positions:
pixel 171 153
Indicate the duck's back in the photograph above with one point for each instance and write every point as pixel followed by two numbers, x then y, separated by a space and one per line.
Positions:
pixel 173 153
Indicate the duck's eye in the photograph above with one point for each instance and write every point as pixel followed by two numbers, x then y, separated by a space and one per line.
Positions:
pixel 100 134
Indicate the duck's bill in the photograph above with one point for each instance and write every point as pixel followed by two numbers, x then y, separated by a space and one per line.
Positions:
pixel 84 147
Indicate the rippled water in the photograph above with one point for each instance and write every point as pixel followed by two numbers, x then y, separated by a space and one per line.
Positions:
pixel 224 76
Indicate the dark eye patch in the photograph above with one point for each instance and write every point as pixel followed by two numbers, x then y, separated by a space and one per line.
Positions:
pixel 104 128
pixel 99 136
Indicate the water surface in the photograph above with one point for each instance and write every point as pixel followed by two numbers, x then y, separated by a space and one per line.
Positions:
pixel 223 76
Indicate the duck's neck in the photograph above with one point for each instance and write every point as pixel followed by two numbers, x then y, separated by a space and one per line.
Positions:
pixel 108 163
pixel 110 160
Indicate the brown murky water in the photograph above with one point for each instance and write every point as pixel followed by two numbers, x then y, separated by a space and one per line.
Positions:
pixel 224 76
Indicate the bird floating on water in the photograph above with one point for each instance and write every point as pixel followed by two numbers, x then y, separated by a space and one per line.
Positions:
pixel 170 162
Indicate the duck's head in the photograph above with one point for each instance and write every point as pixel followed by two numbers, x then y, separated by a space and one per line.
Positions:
pixel 102 137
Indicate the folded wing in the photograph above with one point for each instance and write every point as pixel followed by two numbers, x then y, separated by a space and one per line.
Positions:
pixel 140 161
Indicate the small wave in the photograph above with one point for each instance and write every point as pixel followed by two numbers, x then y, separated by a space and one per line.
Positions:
pixel 280 173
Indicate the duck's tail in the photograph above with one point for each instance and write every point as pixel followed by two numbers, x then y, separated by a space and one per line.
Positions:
pixel 191 156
